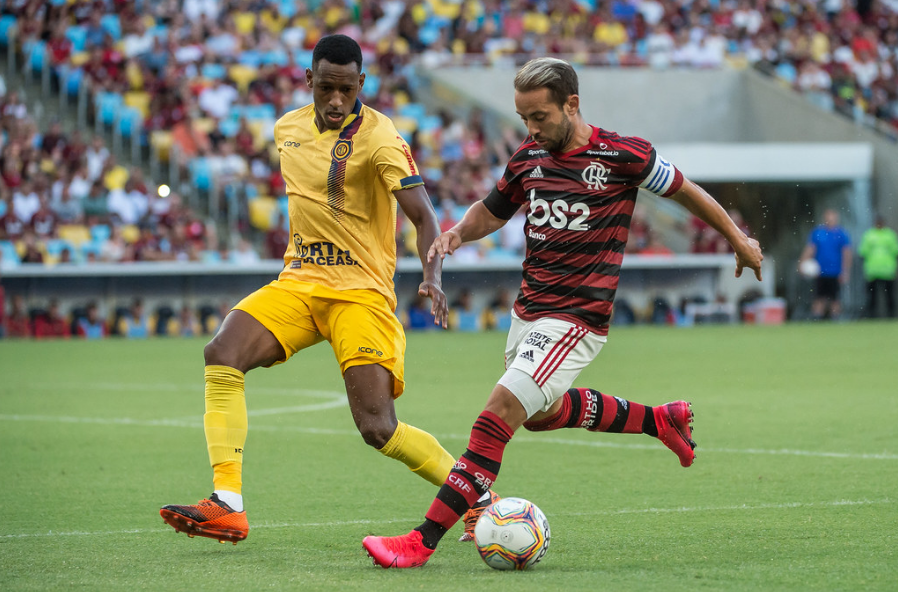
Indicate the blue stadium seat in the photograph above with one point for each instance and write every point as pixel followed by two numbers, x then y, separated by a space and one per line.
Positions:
pixel 250 57
pixel 228 127
pixel 37 56
pixel 201 174
pixel 93 247
pixel 78 36
pixel 214 71
pixel 107 105
pixel 100 232
pixel 372 84
pixel 415 111
pixel 276 57
pixel 72 78
pixel 56 245
pixel 303 59
pixel 7 22
pixel 112 25
pixel 260 111
pixel 130 121
pixel 430 123
pixel 3 208
pixel 10 256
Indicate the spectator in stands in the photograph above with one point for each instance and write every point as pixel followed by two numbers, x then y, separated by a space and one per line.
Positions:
pixel 25 201
pixel 655 245
pixel 135 324
pixel 417 315
pixel 216 100
pixel 462 314
pixel 17 322
pixel 31 251
pixel 51 323
pixel 497 316
pixel 127 205
pixel 879 250
pixel 44 221
pixel 188 323
pixel 244 254
pixel 97 154
pixel 91 325
pixel 2 300
pixel 277 239
pixel 830 245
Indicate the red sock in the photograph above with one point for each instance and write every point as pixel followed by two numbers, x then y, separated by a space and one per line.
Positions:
pixel 472 476
pixel 590 409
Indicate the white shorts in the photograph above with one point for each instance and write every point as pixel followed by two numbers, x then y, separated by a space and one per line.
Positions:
pixel 551 352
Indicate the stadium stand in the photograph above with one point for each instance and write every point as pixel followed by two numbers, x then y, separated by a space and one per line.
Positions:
pixel 196 86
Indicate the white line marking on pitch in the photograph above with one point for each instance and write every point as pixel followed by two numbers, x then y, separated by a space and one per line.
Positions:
pixel 742 507
pixel 185 388
pixel 197 423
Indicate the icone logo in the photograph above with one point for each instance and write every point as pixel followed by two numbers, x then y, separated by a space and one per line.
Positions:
pixel 291 144
pixel 370 350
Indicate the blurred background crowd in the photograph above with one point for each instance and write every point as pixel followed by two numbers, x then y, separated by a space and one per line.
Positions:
pixel 199 84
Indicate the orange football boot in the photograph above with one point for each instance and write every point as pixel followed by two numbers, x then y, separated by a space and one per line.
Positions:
pixel 211 518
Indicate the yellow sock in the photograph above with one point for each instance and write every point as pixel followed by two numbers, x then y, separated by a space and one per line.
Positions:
pixel 420 452
pixel 225 423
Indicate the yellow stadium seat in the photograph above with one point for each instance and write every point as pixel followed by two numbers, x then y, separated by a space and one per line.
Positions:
pixel 79 59
pixel 131 233
pixel 242 75
pixel 405 125
pixel 261 212
pixel 139 100
pixel 204 124
pixel 257 127
pixel 77 234
pixel 161 141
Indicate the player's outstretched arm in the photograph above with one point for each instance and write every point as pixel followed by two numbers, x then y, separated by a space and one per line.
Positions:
pixel 477 223
pixel 699 202
pixel 416 205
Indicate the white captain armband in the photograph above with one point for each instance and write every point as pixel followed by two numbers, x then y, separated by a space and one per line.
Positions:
pixel 661 177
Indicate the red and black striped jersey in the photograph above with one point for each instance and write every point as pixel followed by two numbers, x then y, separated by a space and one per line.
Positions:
pixel 580 206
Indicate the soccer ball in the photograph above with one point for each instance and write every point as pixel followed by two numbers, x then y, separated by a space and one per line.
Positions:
pixel 512 534
pixel 809 268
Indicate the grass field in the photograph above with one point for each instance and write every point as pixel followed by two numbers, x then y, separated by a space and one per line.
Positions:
pixel 795 486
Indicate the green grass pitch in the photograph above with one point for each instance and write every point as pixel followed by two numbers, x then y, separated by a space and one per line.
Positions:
pixel 794 486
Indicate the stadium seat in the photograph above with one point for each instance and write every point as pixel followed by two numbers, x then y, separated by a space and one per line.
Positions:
pixel 262 212
pixel 415 111
pixel 130 121
pixel 161 142
pixel 112 25
pixel 251 58
pixel 201 174
pixel 100 232
pixel 54 248
pixel 10 254
pixel 107 106
pixel 7 25
pixel 131 233
pixel 229 127
pixel 37 56
pixel 139 100
pixel 214 71
pixel 78 36
pixel 260 111
pixel 72 78
pixel 242 75
pixel 76 234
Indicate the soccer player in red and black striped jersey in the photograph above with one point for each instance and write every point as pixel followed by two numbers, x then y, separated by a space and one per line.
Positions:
pixel 579 183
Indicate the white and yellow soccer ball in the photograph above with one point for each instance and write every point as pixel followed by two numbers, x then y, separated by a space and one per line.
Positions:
pixel 512 534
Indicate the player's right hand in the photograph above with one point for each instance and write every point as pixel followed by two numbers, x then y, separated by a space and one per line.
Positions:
pixel 443 245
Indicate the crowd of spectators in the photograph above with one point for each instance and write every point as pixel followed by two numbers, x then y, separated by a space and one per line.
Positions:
pixel 47 319
pixel 210 77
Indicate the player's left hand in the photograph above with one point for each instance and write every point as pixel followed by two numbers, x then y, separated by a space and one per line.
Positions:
pixel 748 254
pixel 439 308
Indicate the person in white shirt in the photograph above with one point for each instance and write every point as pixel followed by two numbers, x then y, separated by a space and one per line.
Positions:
pixel 25 202
pixel 216 100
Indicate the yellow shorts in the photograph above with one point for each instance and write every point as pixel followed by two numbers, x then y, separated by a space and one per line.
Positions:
pixel 359 324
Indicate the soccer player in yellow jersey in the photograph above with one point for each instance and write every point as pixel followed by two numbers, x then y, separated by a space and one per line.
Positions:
pixel 345 167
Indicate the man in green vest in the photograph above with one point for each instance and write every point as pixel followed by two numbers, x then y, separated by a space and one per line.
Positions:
pixel 879 249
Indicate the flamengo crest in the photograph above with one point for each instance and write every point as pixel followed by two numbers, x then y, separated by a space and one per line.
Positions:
pixel 595 176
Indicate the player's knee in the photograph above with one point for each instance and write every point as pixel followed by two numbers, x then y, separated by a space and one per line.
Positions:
pixel 376 432
pixel 217 354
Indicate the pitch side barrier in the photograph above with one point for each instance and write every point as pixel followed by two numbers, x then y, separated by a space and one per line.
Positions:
pixel 644 278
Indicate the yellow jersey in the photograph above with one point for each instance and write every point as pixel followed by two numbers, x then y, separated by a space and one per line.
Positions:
pixel 342 210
